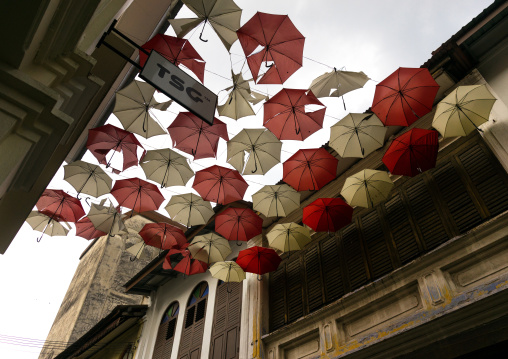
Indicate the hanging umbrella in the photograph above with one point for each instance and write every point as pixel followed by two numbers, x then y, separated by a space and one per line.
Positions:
pixel 138 195
pixel 58 204
pixel 86 229
pixel 404 96
pixel 238 224
pixel 282 46
pixel 187 265
pixel 177 51
pixel 193 136
pixel 258 260
pixel 327 214
pixel 276 201
pixel 166 167
pixel 189 209
pixel 106 219
pixel 261 148
pixel 163 236
pixel 357 135
pixel 87 178
pixel 46 223
pixel 337 83
pixel 222 15
pixel 240 98
pixel 228 271
pixel 133 107
pixel 412 152
pixel 287 116
pixel 103 139
pixel 367 188
pixel 209 248
pixel 309 169
pixel 463 110
pixel 220 185
pixel 288 237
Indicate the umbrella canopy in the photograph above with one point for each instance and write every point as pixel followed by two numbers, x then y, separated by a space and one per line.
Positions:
pixel 192 135
pixel 86 229
pixel 166 167
pixel 276 201
pixel 337 83
pixel 367 188
pixel 189 209
pixel 357 135
pixel 209 248
pixel 178 51
pixel 46 224
pixel 261 148
pixel 240 98
pixel 163 236
pixel 220 185
pixel 412 152
pixel 238 224
pixel 463 110
pixel 228 271
pixel 138 195
pixel 309 169
pixel 59 205
pixel 258 260
pixel 106 219
pixel 101 140
pixel 286 114
pixel 222 15
pixel 187 265
pixel 133 107
pixel 327 214
pixel 282 46
pixel 87 178
pixel 288 237
pixel 404 96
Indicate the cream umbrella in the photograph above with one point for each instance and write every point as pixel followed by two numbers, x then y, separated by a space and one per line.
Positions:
pixel 209 248
pixel 223 16
pixel 288 237
pixel 240 98
pixel 133 107
pixel 106 219
pixel 367 188
pixel 260 146
pixel 228 271
pixel 357 135
pixel 166 167
pixel 337 83
pixel 189 209
pixel 87 178
pixel 463 110
pixel 47 225
pixel 276 201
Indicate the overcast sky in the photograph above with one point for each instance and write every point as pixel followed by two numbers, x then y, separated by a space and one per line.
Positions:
pixel 372 36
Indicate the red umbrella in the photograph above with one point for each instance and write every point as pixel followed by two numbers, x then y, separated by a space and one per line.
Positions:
pixel 192 135
pixel 282 45
pixel 138 195
pixel 58 205
pixel 86 229
pixel 220 185
pixel 309 169
pixel 258 260
pixel 187 265
pixel 178 51
pixel 404 96
pixel 163 235
pixel 412 152
pixel 327 214
pixel 238 224
pixel 103 139
pixel 288 119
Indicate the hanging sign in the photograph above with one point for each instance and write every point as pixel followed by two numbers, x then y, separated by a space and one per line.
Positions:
pixel 179 86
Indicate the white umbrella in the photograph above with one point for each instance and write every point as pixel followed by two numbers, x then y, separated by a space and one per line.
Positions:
pixel 87 178
pixel 209 248
pixel 189 209
pixel 106 219
pixel 166 167
pixel 46 225
pixel 288 237
pixel 367 188
pixel 276 201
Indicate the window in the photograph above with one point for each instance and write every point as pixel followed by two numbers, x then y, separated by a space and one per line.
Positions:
pixel 166 333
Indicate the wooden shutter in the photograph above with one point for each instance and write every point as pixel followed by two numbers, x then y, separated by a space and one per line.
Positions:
pixel 331 268
pixel 353 253
pixel 277 284
pixel 165 335
pixel 192 335
pixel 294 294
pixel 226 323
pixel 313 278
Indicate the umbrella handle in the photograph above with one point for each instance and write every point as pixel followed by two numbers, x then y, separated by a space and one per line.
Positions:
pixel 238 243
pixel 259 277
pixel 136 256
pixel 201 34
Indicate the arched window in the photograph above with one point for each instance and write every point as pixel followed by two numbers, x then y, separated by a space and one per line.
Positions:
pixel 193 327
pixel 166 333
